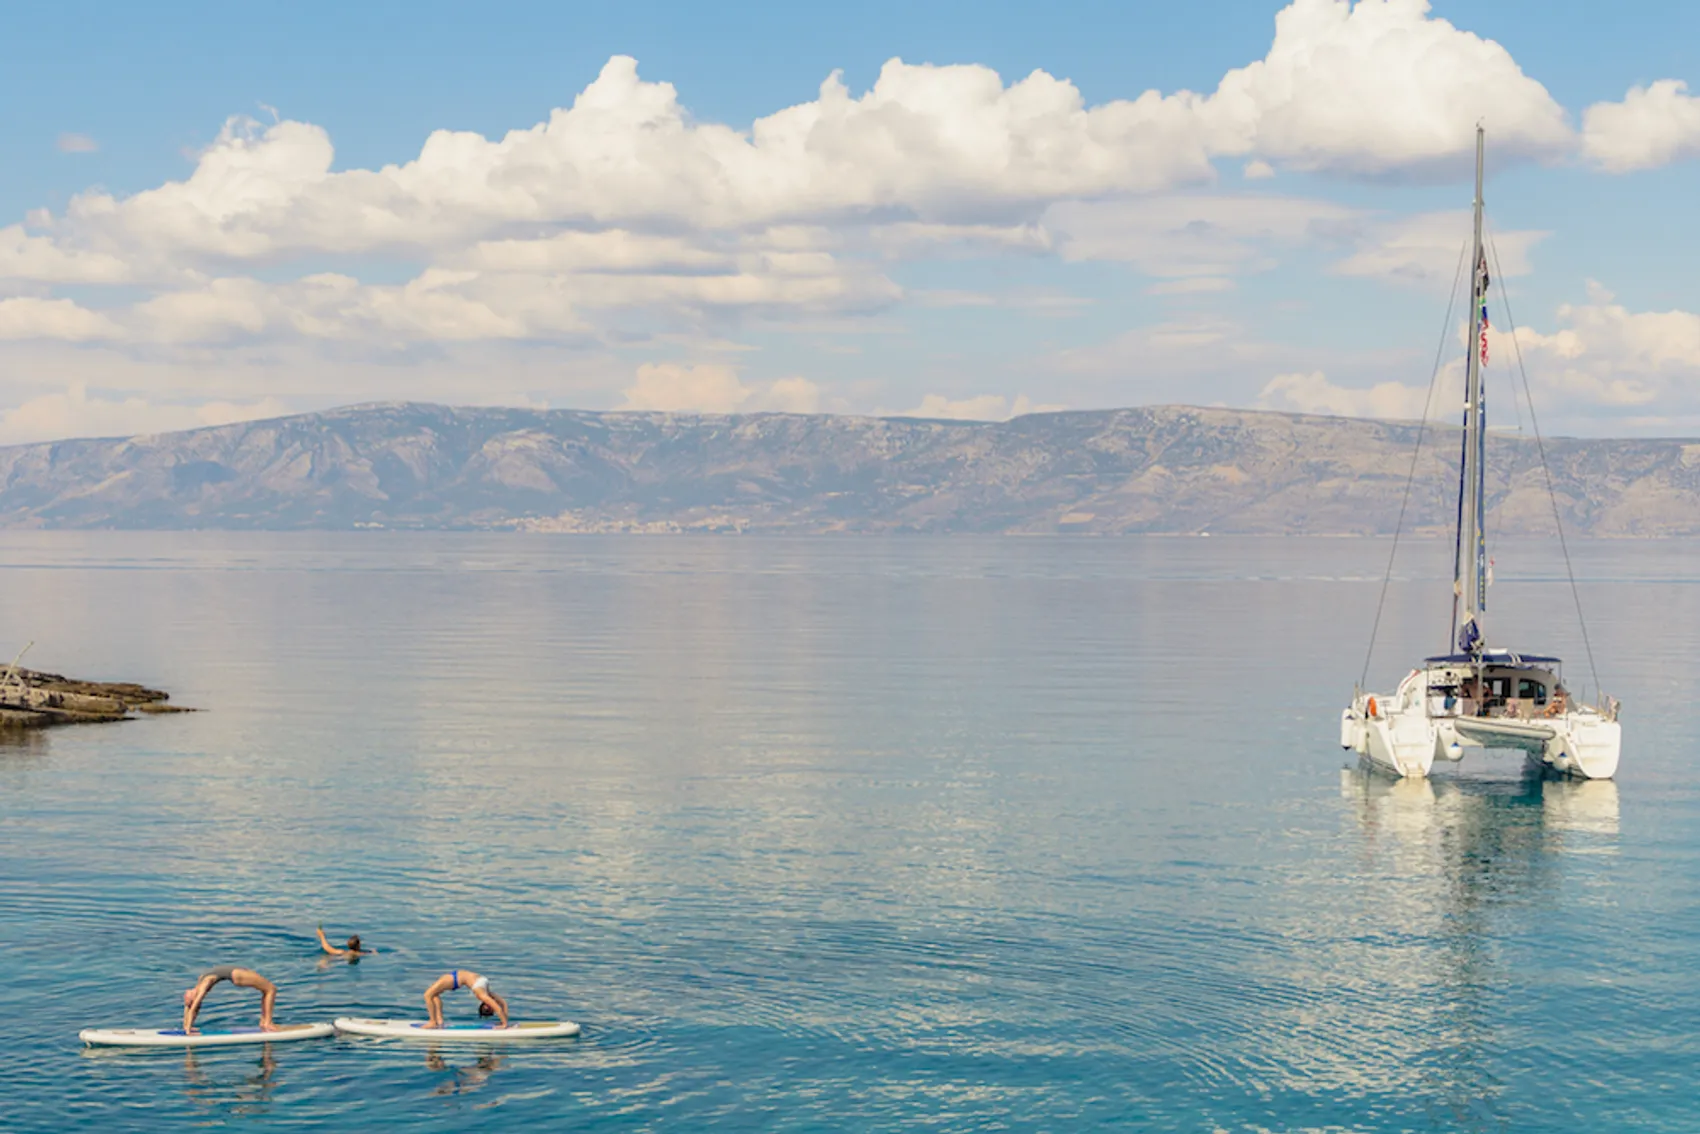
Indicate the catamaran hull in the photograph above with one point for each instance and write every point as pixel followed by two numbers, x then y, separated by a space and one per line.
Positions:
pixel 1583 745
pixel 1407 743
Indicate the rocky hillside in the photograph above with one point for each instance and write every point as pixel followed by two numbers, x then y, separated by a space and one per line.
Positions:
pixel 1157 469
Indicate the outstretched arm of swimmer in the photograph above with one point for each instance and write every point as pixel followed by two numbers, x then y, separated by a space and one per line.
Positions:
pixel 341 951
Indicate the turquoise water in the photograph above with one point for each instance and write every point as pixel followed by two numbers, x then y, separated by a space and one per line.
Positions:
pixel 838 834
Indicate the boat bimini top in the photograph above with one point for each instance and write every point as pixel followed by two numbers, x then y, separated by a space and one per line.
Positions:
pixel 1495 657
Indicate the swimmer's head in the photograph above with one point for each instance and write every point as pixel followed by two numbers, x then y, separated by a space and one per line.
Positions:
pixel 188 995
pixel 485 1010
pixel 354 943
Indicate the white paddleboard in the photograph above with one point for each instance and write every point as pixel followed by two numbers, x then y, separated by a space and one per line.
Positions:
pixel 480 1033
pixel 200 1037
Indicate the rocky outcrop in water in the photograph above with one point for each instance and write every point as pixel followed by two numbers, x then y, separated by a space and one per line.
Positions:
pixel 1157 469
pixel 30 699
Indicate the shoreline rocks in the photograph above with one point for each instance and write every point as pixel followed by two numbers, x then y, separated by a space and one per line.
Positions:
pixel 33 699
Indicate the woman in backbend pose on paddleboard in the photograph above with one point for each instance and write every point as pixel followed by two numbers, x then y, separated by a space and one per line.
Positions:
pixel 489 1004
pixel 241 978
pixel 353 952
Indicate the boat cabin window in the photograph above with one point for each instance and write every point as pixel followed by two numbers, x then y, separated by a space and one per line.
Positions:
pixel 1515 692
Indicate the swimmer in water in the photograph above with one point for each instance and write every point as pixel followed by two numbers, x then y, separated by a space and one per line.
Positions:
pixel 241 978
pixel 489 1004
pixel 353 951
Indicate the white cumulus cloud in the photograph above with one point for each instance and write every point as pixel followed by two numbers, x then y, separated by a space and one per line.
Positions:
pixel 1180 236
pixel 1426 249
pixel 1313 393
pixel 1653 125
pixel 1601 361
pixel 1375 87
pixel 983 407
pixel 713 387
pixel 1604 356
pixel 936 143
pixel 792 395
pixel 31 317
pixel 1378 87
pixel 42 260
pixel 73 412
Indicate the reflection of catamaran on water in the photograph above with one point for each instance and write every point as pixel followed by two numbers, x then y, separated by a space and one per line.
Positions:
pixel 1478 697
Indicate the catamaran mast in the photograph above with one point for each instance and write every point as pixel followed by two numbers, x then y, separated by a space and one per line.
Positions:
pixel 1469 560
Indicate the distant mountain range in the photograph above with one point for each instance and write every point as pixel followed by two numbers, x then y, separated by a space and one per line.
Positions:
pixel 1157 469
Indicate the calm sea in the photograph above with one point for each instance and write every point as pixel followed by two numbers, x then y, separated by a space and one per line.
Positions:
pixel 855 833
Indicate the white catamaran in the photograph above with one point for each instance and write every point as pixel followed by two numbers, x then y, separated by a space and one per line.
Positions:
pixel 1479 697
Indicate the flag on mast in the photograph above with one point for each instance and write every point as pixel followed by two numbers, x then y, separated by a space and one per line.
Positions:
pixel 1481 297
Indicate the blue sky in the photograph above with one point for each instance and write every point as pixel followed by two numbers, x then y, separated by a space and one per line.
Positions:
pixel 177 248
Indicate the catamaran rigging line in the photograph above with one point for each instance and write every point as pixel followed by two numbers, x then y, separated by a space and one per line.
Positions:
pixel 1546 467
pixel 1416 454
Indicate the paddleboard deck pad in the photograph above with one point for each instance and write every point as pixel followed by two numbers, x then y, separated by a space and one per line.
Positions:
pixel 200 1037
pixel 477 1033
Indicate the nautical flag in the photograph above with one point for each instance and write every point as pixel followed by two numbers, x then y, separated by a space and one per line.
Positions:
pixel 1468 634
pixel 1481 297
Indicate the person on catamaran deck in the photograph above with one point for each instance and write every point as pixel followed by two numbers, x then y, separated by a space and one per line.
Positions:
pixel 489 1004
pixel 241 978
pixel 352 951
